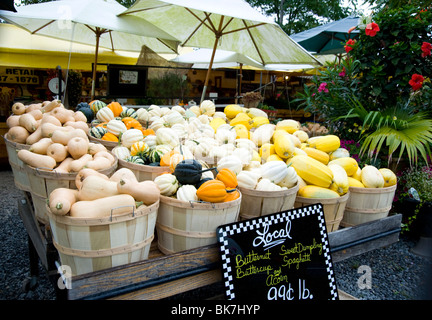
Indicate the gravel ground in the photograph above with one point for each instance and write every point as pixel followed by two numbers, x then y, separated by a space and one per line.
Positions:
pixel 396 273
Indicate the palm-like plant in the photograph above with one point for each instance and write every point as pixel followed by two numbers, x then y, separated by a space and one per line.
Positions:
pixel 397 128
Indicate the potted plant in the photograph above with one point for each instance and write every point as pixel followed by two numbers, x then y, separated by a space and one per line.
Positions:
pixel 252 99
pixel 414 200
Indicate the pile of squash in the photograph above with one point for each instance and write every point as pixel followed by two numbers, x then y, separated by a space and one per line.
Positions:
pixel 191 182
pixel 57 138
pixel 98 196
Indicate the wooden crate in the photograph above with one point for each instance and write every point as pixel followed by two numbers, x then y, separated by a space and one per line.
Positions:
pixel 164 276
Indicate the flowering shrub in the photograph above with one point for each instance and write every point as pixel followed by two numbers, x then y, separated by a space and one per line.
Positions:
pixel 382 83
pixel 394 47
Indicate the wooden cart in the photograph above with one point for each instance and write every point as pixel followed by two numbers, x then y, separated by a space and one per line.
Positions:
pixel 167 276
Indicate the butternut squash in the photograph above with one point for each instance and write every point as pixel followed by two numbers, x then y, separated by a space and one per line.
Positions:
pixel 94 187
pixel 18 108
pixel 36 160
pixel 105 154
pixel 98 163
pixel 27 121
pixel 146 191
pixel 64 166
pixel 94 148
pixel 18 134
pixel 80 116
pixel 78 164
pixel 35 136
pixel 50 106
pixel 47 118
pixel 12 120
pixel 57 151
pixel 84 173
pixel 63 136
pixel 62 114
pixel 77 147
pixel 33 106
pixel 61 199
pixel 103 207
pixel 41 146
pixel 48 129
pixel 123 173
pixel 36 113
pixel 78 125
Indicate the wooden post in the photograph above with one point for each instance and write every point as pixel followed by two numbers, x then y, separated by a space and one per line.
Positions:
pixel 98 34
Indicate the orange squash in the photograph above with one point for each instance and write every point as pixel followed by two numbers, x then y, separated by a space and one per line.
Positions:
pixel 232 194
pixel 102 124
pixel 165 159
pixel 228 177
pixel 174 160
pixel 115 107
pixel 212 191
pixel 109 137
pixel 131 123
pixel 148 132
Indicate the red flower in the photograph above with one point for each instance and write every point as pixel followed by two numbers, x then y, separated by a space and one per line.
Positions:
pixel 348 46
pixel 426 49
pixel 372 29
pixel 416 81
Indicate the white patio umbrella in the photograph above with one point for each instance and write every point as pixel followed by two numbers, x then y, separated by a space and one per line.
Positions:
pixel 222 59
pixel 93 22
pixel 231 25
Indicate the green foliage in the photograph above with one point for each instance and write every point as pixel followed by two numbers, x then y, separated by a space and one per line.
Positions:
pixel 377 90
pixel 389 59
pixel 168 85
pixel 74 88
pixel 299 15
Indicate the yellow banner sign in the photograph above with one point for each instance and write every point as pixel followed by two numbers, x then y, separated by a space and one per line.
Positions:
pixel 18 76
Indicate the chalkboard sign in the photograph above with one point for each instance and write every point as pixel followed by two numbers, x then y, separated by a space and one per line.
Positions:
pixel 281 256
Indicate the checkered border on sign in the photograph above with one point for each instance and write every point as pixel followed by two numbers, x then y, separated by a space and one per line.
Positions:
pixel 248 225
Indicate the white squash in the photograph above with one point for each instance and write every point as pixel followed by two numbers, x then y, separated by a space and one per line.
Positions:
pixel 207 107
pixel 230 162
pixel 266 185
pixel 129 137
pixel 225 136
pixel 167 136
pixel 116 127
pixel 121 152
pixel 187 192
pixel 290 179
pixel 275 171
pixel 247 179
pixel 263 134
pixel 167 184
pixel 371 177
pixel 105 114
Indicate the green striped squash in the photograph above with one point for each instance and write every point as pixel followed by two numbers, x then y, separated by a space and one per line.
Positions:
pixel 96 105
pixel 97 132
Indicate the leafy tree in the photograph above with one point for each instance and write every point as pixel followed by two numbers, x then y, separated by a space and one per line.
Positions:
pixel 298 15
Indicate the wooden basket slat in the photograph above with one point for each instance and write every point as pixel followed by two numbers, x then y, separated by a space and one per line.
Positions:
pixel 368 204
pixel 333 209
pixel 88 245
pixel 17 166
pixel 259 203
pixel 185 225
pixel 143 172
